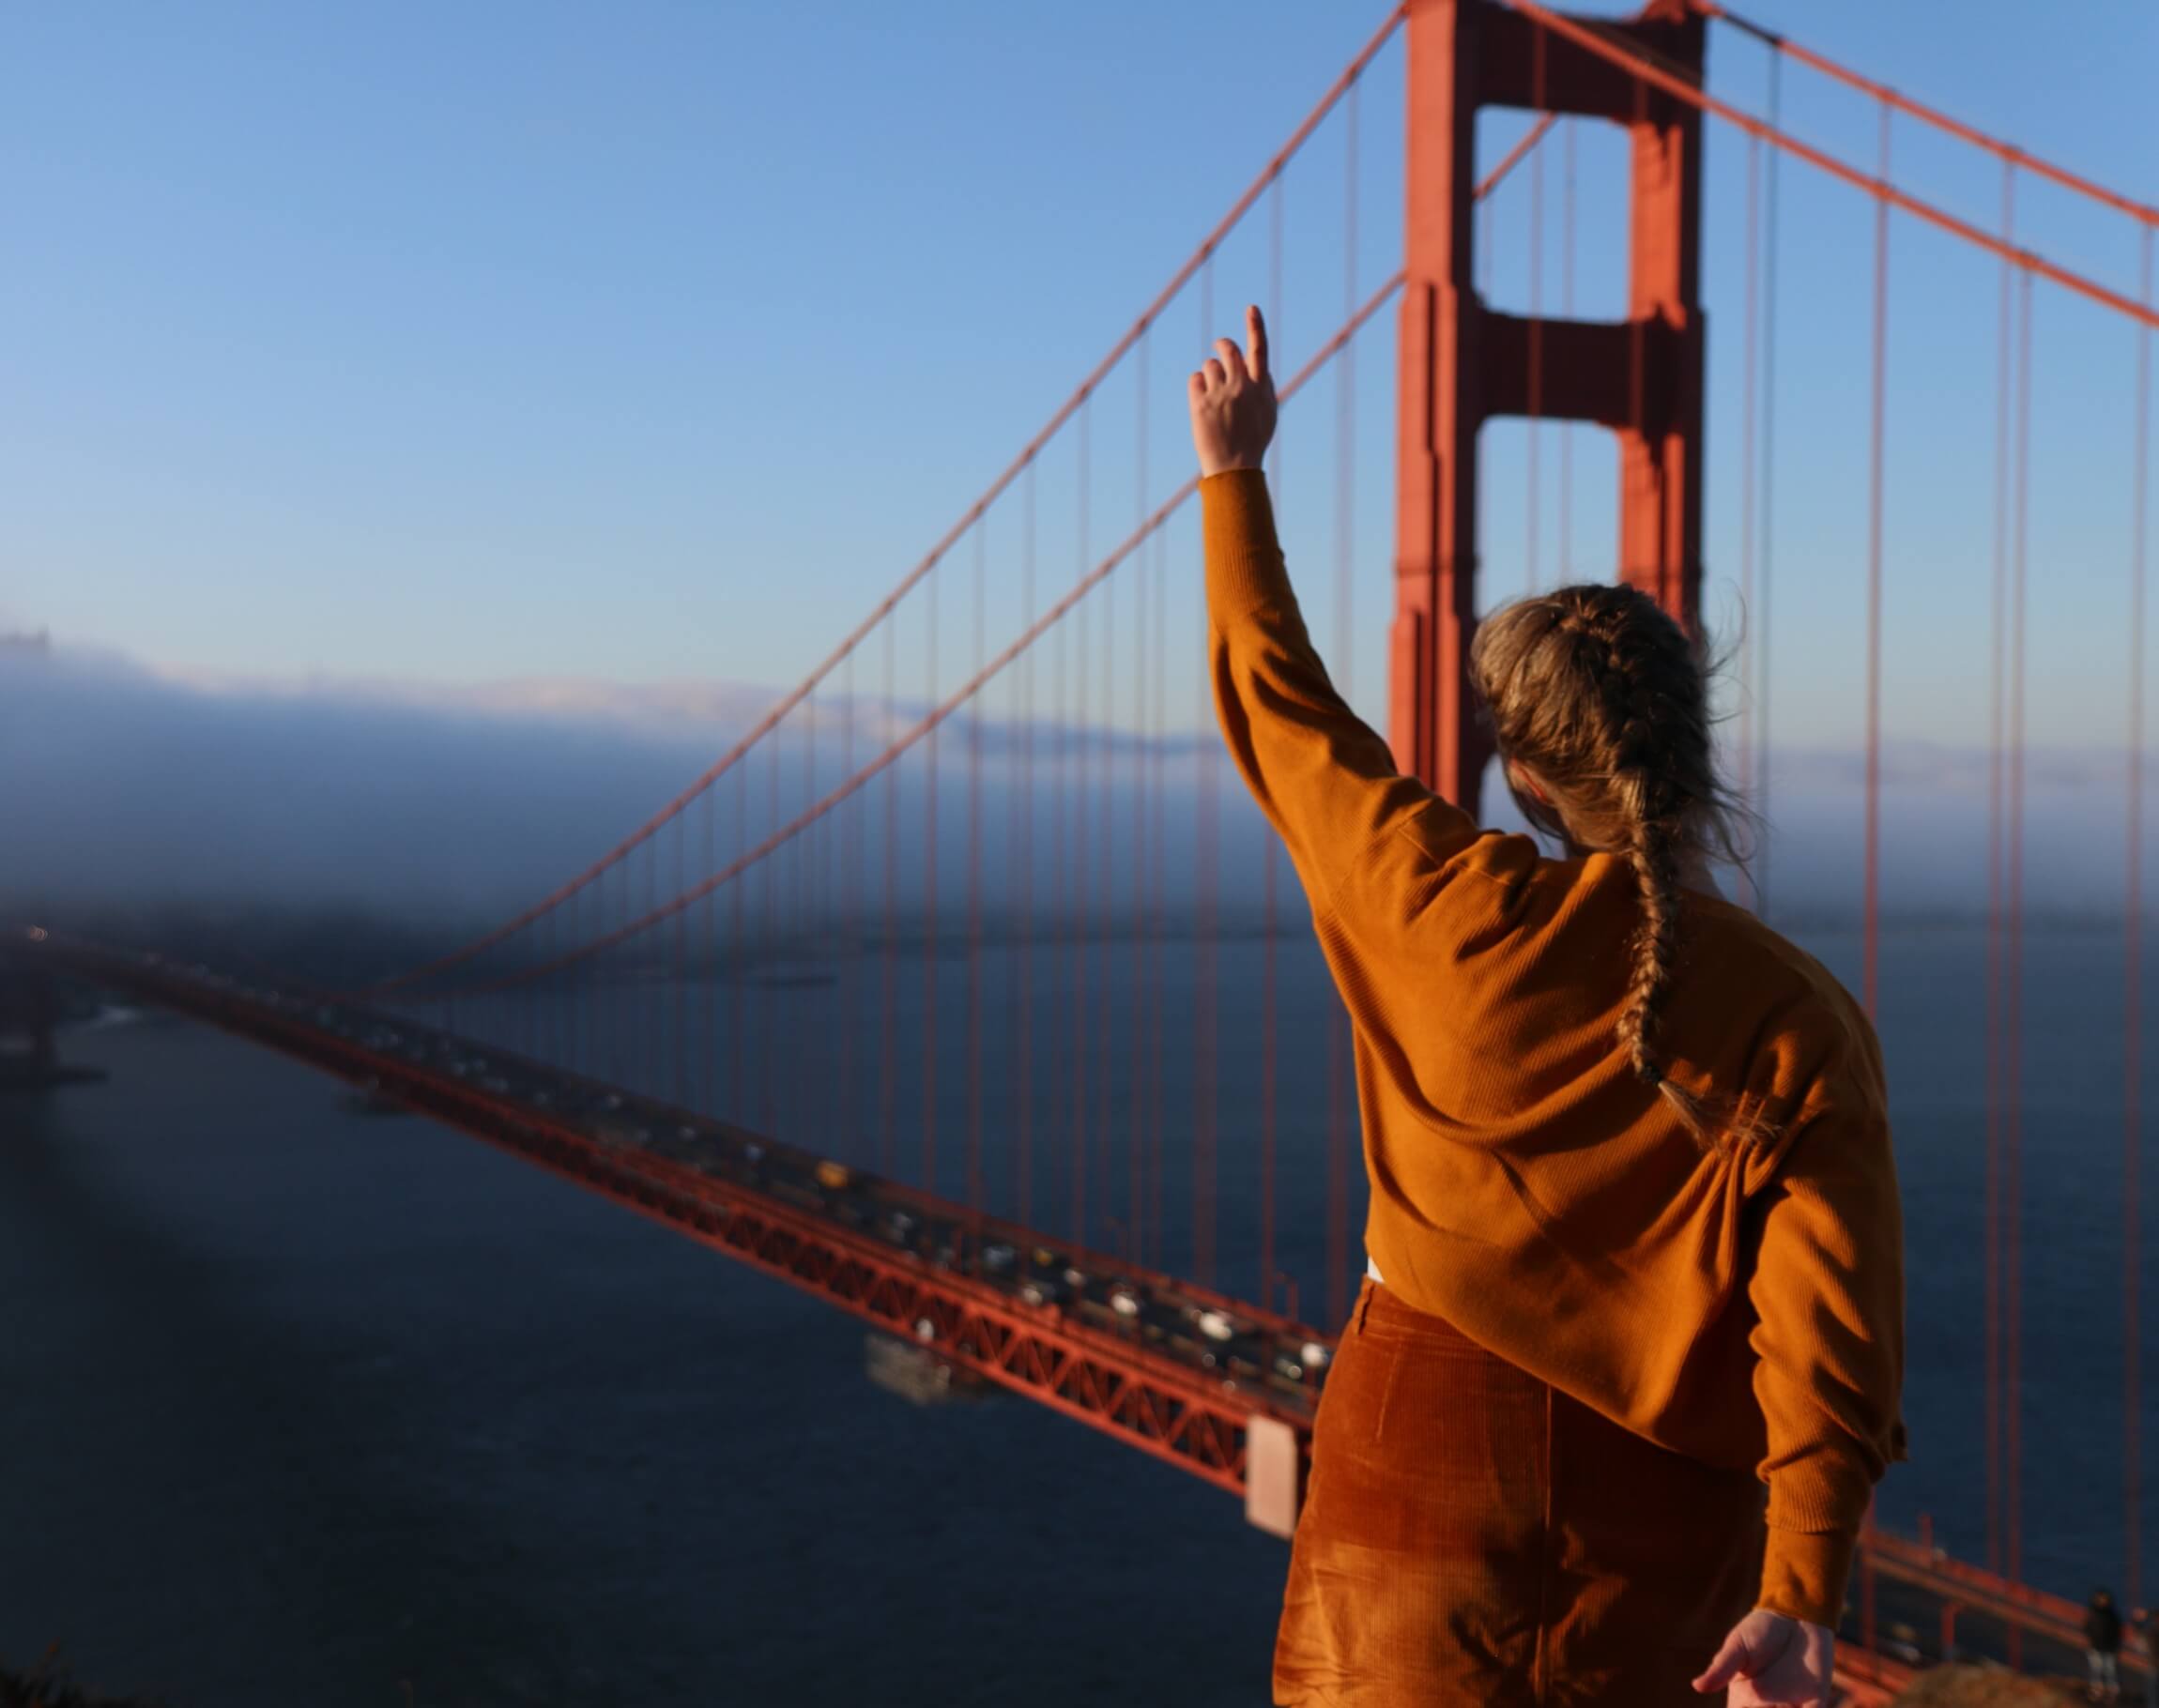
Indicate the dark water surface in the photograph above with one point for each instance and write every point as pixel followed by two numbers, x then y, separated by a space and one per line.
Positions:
pixel 296 1404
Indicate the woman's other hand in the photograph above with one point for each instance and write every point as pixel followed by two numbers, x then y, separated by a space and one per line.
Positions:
pixel 1770 1658
pixel 1232 399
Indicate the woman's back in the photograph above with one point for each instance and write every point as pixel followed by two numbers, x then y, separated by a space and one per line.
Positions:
pixel 1728 1288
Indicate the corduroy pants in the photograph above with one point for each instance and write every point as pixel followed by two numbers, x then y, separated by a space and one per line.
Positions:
pixel 1471 1536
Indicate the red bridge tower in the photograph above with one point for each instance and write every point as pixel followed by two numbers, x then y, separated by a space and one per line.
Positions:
pixel 1463 363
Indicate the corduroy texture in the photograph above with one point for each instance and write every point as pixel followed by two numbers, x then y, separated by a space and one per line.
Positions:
pixel 1472 1536
pixel 1742 1305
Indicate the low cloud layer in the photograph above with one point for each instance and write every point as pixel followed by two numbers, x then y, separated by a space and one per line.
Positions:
pixel 453 806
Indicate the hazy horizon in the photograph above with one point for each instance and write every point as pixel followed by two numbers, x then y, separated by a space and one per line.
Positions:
pixel 444 809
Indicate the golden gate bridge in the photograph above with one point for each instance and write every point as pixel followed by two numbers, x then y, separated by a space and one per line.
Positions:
pixel 1010 826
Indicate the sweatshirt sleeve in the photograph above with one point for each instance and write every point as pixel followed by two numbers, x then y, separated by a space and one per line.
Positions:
pixel 1322 777
pixel 1827 1291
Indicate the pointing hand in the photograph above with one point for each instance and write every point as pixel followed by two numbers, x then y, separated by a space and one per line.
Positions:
pixel 1232 399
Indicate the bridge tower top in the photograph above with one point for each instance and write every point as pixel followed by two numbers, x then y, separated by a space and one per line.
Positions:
pixel 1464 362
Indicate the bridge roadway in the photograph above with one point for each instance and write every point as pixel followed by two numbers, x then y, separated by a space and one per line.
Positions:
pixel 1183 1373
pixel 1217 1387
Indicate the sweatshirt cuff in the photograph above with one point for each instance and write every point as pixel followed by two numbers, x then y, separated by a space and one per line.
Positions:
pixel 1803 1574
pixel 1245 567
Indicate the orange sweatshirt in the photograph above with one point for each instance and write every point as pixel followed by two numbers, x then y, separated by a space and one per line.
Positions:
pixel 1744 1307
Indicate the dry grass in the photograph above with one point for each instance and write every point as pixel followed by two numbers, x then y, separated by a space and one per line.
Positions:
pixel 1985 1687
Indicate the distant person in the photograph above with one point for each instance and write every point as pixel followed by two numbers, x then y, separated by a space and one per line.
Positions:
pixel 1635 1242
pixel 2102 1648
pixel 2140 1622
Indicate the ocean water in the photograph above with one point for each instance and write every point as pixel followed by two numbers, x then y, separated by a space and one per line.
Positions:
pixel 300 1405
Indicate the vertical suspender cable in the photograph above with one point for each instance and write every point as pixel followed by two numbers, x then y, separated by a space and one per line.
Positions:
pixel 929 955
pixel 738 1071
pixel 528 1007
pixel 1079 863
pixel 1140 935
pixel 1208 925
pixel 848 901
pixel 2015 1016
pixel 1158 1113
pixel 1874 460
pixel 1105 840
pixel 632 1031
pixel 1271 844
pixel 811 1083
pixel 1750 339
pixel 1338 1045
pixel 682 967
pixel 2133 991
pixel 650 1009
pixel 974 882
pixel 1875 480
pixel 1060 740
pixel 1996 888
pixel 652 1059
pixel 767 949
pixel 1267 883
pixel 818 1021
pixel 604 1064
pixel 621 1011
pixel 1203 883
pixel 1535 387
pixel 621 994
pixel 1566 565
pixel 888 1076
pixel 609 968
pixel 1345 410
pixel 1636 329
pixel 1023 917
pixel 1767 539
pixel 710 1102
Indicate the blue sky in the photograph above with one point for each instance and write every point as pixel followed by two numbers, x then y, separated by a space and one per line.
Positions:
pixel 653 341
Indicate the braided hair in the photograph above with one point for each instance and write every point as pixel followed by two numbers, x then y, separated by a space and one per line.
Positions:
pixel 1603 696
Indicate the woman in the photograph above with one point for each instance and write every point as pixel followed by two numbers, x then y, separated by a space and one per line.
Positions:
pixel 1636 1248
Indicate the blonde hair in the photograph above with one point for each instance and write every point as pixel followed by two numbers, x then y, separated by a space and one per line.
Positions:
pixel 1604 697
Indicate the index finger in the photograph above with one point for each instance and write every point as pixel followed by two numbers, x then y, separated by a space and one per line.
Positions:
pixel 1256 337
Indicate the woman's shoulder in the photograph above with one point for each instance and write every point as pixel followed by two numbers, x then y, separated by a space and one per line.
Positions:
pixel 1735 932
pixel 1801 1040
pixel 1737 947
pixel 1808 975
